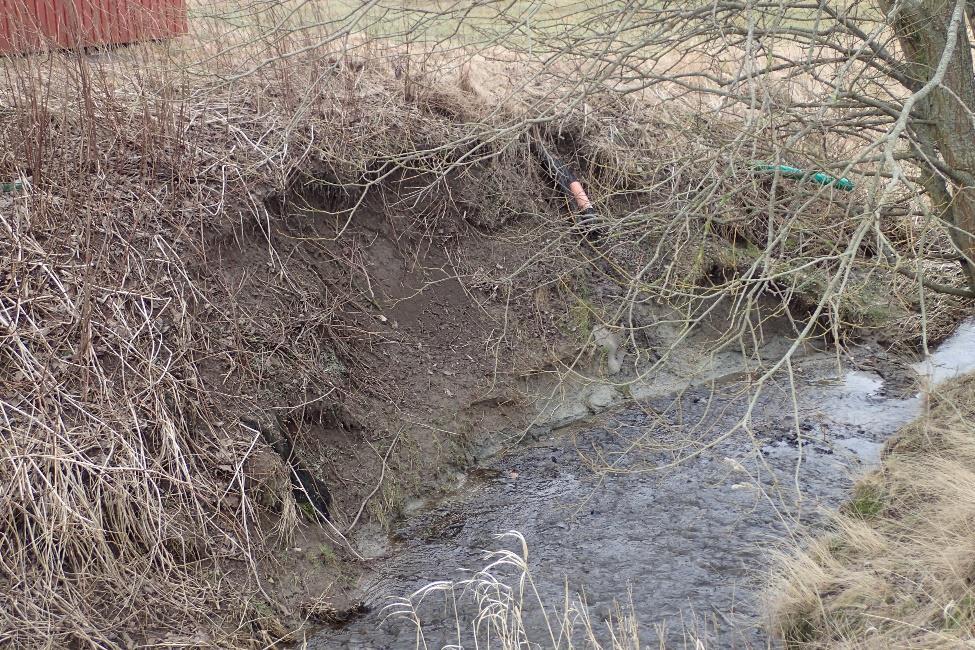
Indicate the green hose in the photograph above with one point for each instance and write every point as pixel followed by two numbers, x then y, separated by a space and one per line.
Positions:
pixel 822 178
pixel 7 188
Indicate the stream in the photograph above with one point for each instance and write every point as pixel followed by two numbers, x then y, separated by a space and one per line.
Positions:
pixel 656 504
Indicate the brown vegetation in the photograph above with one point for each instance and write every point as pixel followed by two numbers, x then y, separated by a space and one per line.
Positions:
pixel 895 569
pixel 345 240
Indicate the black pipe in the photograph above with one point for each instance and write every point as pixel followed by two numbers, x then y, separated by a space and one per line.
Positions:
pixel 586 223
pixel 305 486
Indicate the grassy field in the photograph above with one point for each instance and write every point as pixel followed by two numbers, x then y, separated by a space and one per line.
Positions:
pixel 463 22
pixel 502 23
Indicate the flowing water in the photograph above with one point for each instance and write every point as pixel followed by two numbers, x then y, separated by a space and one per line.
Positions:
pixel 657 504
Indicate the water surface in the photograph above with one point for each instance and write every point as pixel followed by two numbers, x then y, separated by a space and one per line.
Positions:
pixel 657 503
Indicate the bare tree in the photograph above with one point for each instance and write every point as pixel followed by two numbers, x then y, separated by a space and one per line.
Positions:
pixel 895 78
pixel 938 67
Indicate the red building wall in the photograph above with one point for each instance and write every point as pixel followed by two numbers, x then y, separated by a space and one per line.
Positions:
pixel 36 25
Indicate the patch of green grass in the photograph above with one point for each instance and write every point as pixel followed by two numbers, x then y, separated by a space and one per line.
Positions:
pixel 328 555
pixel 868 501
pixel 580 317
pixel 581 311
pixel 262 608
pixel 308 510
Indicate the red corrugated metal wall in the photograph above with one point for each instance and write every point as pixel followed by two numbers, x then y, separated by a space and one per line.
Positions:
pixel 33 25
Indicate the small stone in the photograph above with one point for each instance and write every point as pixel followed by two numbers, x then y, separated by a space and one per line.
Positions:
pixel 601 397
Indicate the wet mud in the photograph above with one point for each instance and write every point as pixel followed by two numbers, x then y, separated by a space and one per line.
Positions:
pixel 672 504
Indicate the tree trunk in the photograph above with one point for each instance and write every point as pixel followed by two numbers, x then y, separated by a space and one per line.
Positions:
pixel 945 117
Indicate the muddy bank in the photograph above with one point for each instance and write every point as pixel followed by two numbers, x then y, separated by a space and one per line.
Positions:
pixel 656 501
pixel 447 350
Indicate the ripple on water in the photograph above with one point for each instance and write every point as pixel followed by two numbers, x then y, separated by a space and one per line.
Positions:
pixel 684 541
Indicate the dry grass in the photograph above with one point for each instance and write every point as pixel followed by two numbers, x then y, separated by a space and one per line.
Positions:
pixel 500 606
pixel 134 335
pixel 130 506
pixel 896 570
pixel 125 500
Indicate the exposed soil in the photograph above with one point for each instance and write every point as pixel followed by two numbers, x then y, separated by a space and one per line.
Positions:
pixel 429 336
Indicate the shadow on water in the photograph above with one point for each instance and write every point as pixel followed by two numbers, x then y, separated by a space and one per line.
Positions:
pixel 657 503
